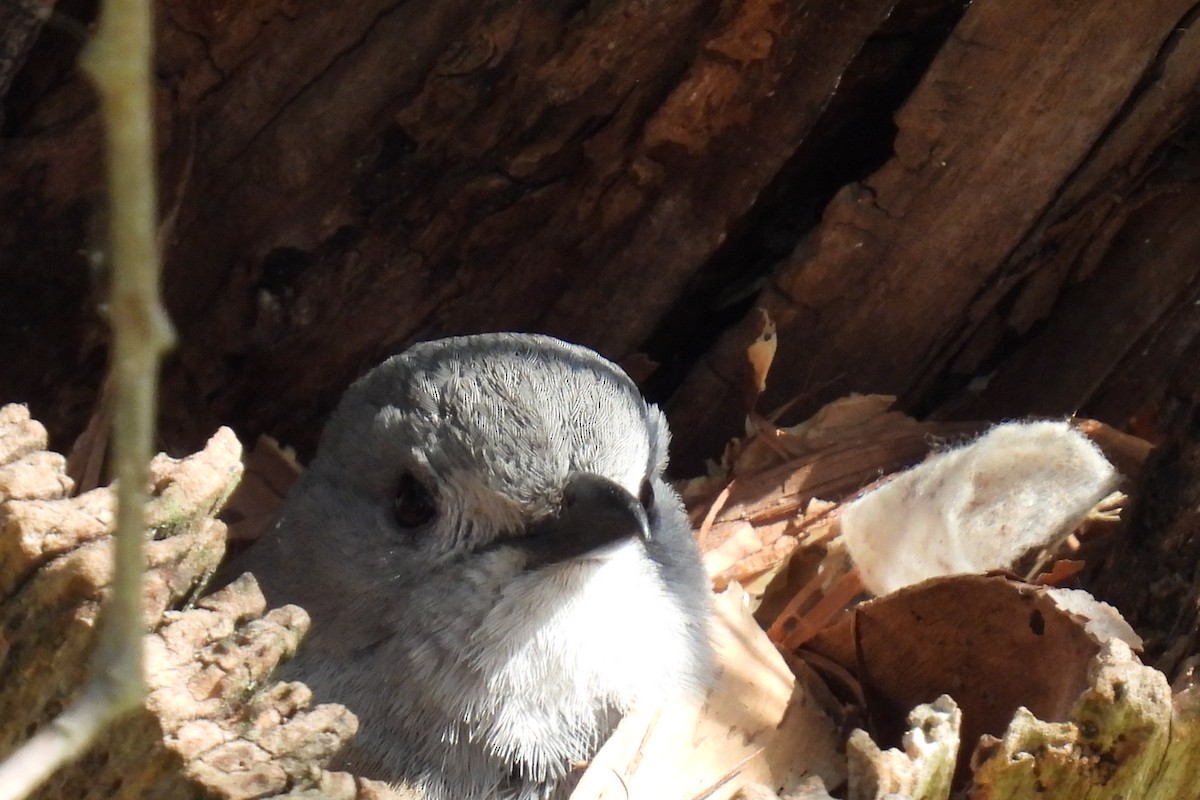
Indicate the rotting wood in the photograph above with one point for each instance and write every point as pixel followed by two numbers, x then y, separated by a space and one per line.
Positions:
pixel 1028 123
pixel 1153 571
pixel 20 23
pixel 213 725
pixel 395 171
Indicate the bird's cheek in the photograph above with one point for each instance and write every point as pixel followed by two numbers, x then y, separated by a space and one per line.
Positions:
pixel 488 571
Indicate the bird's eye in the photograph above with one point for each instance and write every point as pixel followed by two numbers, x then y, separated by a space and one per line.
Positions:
pixel 646 495
pixel 415 505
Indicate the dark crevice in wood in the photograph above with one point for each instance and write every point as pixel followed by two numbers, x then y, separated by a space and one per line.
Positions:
pixel 852 139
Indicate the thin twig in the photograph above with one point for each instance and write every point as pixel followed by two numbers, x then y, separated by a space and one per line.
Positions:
pixel 118 60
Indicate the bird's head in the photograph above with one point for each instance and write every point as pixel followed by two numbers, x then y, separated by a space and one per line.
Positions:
pixel 468 446
pixel 492 560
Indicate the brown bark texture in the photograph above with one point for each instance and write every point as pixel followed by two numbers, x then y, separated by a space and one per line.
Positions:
pixel 987 208
pixel 1153 574
pixel 1028 248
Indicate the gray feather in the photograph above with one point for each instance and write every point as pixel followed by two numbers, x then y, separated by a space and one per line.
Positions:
pixel 477 670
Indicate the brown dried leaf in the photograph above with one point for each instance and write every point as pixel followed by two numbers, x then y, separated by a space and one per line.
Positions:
pixel 738 550
pixel 270 472
pixel 760 354
pixel 1126 452
pixel 89 451
pixel 779 503
pixel 991 643
pixel 854 414
pixel 763 521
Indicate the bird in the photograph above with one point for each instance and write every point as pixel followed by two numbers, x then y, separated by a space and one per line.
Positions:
pixel 495 567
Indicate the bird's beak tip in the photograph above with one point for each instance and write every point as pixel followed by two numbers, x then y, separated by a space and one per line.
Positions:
pixel 596 513
pixel 605 498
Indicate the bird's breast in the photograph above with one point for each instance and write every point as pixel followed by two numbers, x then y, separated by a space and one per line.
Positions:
pixel 567 649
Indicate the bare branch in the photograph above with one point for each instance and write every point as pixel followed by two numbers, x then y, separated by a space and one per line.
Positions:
pixel 118 60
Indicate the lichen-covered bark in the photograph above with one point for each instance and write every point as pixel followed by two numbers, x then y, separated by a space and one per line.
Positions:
pixel 213 724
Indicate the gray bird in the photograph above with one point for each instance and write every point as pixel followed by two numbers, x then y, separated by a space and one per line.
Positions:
pixel 495 568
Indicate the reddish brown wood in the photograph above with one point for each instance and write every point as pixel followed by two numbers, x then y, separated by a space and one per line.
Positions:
pixel 1152 572
pixel 339 180
pixel 1021 155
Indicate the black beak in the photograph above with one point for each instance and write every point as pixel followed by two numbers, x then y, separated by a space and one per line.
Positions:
pixel 595 513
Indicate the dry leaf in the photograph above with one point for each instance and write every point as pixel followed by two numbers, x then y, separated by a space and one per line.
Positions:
pixel 760 354
pixel 270 472
pixel 991 643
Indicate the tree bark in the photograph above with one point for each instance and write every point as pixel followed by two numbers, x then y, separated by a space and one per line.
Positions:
pixel 1153 572
pixel 987 208
pixel 340 181
pixel 1025 243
